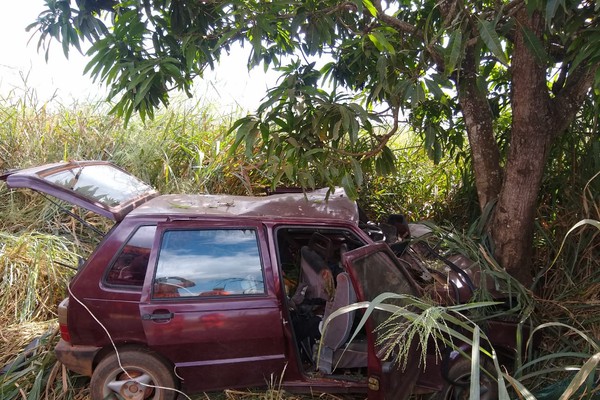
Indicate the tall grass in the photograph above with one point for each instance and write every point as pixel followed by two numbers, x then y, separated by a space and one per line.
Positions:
pixel 34 273
pixel 420 189
pixel 186 149
pixel 181 149
pixel 565 362
pixel 35 374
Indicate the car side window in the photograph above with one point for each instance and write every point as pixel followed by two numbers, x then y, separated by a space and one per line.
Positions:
pixel 129 269
pixel 208 262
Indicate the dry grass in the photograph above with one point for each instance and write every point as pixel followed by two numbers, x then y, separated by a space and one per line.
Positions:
pixel 33 281
pixel 15 337
pixel 187 150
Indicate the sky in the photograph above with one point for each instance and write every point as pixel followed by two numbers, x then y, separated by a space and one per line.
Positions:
pixel 23 68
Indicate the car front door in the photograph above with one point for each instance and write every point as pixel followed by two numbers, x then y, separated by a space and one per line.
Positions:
pixel 209 304
pixel 374 270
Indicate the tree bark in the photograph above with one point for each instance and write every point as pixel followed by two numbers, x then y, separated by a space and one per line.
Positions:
pixel 537 120
pixel 531 138
pixel 479 123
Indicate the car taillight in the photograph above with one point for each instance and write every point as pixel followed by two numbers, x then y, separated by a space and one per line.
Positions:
pixel 64 333
pixel 62 320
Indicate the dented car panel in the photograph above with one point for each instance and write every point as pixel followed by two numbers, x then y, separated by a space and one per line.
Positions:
pixel 207 292
pixel 79 359
pixel 317 204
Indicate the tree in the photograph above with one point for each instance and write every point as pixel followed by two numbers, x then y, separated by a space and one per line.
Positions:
pixel 512 75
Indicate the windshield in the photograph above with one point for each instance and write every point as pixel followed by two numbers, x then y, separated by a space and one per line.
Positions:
pixel 100 183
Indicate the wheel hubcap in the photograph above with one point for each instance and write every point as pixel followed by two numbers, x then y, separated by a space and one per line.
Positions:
pixel 131 385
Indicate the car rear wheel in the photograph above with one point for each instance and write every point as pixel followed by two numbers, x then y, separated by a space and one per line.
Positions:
pixel 459 381
pixel 142 377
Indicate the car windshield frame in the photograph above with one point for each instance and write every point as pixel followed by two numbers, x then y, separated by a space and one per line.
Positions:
pixel 98 186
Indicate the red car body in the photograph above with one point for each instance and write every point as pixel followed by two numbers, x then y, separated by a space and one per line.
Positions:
pixel 201 286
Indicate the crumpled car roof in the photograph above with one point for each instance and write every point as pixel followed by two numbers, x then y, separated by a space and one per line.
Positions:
pixel 315 204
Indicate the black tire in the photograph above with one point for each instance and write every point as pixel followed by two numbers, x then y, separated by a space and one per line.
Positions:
pixel 458 385
pixel 109 381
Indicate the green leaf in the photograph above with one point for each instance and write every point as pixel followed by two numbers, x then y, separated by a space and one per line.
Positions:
pixel 369 5
pixel 288 169
pixel 226 37
pixel 142 91
pixel 418 95
pixel 244 126
pixel 434 88
pixel 360 111
pixel 65 39
pixel 357 170
pixel 551 8
pixel 381 42
pixel 453 51
pixel 385 163
pixel 335 133
pixel 582 54
pixel 382 64
pixel 171 69
pixel 312 152
pixel 534 44
pixel 345 118
pixel 190 55
pixel 349 186
pixel 487 32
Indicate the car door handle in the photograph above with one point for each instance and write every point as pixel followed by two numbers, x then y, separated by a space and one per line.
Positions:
pixel 161 316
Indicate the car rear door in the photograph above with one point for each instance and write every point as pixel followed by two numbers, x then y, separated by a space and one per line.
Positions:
pixel 209 304
pixel 374 270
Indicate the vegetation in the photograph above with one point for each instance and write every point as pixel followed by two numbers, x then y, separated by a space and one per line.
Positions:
pixel 512 77
pixel 182 150
pixel 188 149
pixel 491 89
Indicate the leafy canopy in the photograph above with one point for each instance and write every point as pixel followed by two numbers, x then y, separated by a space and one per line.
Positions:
pixel 404 58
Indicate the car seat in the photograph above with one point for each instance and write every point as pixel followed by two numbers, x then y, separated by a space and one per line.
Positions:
pixel 333 352
pixel 316 279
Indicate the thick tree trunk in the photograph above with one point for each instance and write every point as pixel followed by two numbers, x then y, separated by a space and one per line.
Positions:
pixel 479 123
pixel 531 138
pixel 538 119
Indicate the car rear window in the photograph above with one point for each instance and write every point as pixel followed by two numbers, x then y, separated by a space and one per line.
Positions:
pixel 102 183
pixel 208 262
pixel 129 268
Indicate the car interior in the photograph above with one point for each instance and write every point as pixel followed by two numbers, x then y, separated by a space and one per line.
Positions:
pixel 317 285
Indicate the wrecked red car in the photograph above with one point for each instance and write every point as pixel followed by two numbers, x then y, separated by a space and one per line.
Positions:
pixel 207 292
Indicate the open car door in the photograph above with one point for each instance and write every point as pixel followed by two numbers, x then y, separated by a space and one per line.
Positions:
pixel 98 186
pixel 375 270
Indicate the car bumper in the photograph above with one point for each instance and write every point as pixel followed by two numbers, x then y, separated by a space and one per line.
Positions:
pixel 79 359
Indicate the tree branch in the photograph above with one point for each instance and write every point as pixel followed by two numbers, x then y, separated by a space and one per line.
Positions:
pixel 396 23
pixel 405 27
pixel 568 100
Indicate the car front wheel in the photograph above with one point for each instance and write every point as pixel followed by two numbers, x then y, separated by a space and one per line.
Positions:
pixel 459 383
pixel 140 376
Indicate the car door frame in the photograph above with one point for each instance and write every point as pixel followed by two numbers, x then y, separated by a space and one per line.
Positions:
pixel 387 379
pixel 261 351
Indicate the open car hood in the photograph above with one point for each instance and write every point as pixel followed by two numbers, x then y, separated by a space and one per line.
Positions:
pixel 98 186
